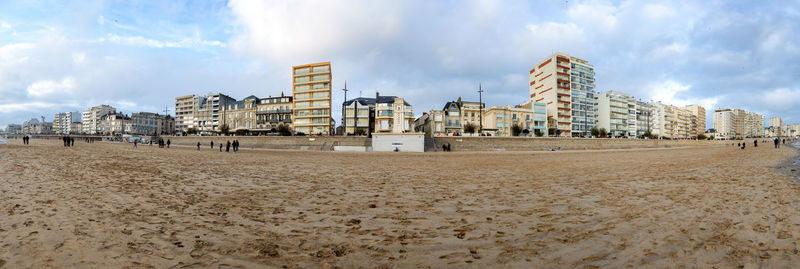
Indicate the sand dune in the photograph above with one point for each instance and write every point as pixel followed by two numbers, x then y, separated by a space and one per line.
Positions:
pixel 109 205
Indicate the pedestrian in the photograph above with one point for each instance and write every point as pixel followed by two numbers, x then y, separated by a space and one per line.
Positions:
pixel 776 143
pixel 744 145
pixel 738 145
pixel 72 141
pixel 235 145
pixel 784 141
pixel 444 148
pixel 135 142
pixel 212 144
pixel 449 147
pixel 198 145
pixel 755 143
pixel 168 142
pixel 220 147
pixel 151 142
pixel 228 146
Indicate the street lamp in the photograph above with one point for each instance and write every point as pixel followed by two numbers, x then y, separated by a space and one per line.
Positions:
pixel 344 115
pixel 480 108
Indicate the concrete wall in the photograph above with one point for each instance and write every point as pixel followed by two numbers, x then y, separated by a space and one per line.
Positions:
pixel 462 143
pixel 275 142
pixel 402 142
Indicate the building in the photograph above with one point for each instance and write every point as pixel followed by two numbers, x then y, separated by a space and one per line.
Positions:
pixel 753 124
pixel 684 121
pixel 185 108
pixel 115 124
pixel 566 85
pixel 724 123
pixel 502 118
pixel 393 115
pixel 63 121
pixel 382 114
pixel 207 116
pixel 91 118
pixel 147 123
pixel 644 118
pixel 273 111
pixel 776 126
pixel 614 114
pixel 240 116
pixel 455 115
pixel 359 116
pixel 75 128
pixel 311 92
pixel 538 122
pixel 663 120
pixel 13 129
pixel 700 118
pixel 36 126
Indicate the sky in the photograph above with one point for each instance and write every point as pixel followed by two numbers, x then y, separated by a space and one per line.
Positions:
pixel 59 56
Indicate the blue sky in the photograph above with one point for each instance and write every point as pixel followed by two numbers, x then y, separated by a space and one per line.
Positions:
pixel 58 56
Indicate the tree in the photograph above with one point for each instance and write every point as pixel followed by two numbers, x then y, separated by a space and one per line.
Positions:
pixel 283 130
pixel 602 132
pixel 361 132
pixel 470 128
pixel 516 129
pixel 241 132
pixel 711 137
pixel 224 129
pixel 594 131
pixel 538 133
pixel 701 137
pixel 647 134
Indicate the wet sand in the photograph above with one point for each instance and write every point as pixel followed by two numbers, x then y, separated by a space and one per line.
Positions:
pixel 111 206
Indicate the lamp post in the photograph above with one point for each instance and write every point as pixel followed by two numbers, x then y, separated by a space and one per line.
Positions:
pixel 344 115
pixel 480 108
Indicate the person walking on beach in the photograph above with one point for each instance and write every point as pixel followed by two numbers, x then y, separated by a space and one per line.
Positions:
pixel 228 146
pixel 235 145
pixel 784 141
pixel 212 144
pixel 198 145
pixel 168 142
pixel 744 145
pixel 71 141
pixel 777 145
pixel 220 147
pixel 755 143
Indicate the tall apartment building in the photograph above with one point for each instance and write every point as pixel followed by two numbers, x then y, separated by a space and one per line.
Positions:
pixel 737 123
pixel 63 121
pixel 700 117
pixel 359 116
pixel 185 107
pixel 273 111
pixel 684 127
pixel 644 118
pixel 311 92
pixel 207 116
pixel 566 85
pixel 147 123
pixel 613 113
pixel 91 118
pixel 776 126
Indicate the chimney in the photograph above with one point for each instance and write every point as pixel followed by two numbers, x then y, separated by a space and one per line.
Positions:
pixel 376 96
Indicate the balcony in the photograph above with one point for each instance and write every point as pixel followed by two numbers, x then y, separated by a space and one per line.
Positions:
pixel 453 125
pixel 276 111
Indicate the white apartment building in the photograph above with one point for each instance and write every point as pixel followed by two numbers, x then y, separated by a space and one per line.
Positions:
pixel 62 122
pixel 91 118
pixel 614 113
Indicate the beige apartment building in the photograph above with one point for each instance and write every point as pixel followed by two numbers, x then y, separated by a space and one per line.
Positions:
pixel 566 85
pixel 393 115
pixel 185 107
pixel 700 118
pixel 311 92
pixel 776 126
pixel 737 123
pixel 148 123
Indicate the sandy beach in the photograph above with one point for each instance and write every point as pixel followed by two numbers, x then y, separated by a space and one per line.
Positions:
pixel 109 205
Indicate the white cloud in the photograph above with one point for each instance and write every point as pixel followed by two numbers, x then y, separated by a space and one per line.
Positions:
pixel 78 57
pixel 47 88
pixel 781 99
pixel 668 91
pixel 153 43
pixel 5 25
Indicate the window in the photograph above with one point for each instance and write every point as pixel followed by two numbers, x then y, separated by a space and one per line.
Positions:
pixel 301 71
pixel 320 69
pixel 384 124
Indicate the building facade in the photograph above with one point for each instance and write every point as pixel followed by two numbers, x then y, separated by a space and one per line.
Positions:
pixel 359 116
pixel 776 126
pixel 91 118
pixel 115 124
pixel 185 107
pixel 393 115
pixel 700 118
pixel 147 123
pixel 239 115
pixel 36 126
pixel 613 113
pixel 566 85
pixel 311 97
pixel 273 111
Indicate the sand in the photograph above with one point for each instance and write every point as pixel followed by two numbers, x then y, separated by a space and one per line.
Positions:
pixel 108 205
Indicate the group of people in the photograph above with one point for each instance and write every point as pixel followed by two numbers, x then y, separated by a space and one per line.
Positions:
pixel 776 141
pixel 68 141
pixel 26 140
pixel 446 148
